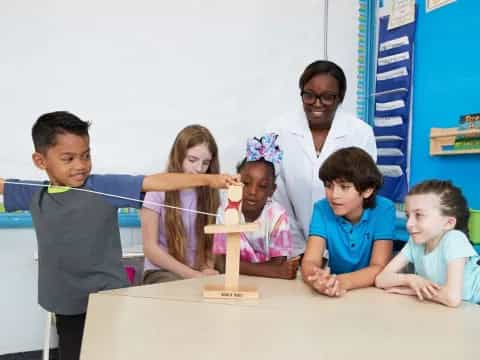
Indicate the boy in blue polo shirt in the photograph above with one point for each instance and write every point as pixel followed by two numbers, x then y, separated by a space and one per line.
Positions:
pixel 353 224
pixel 79 249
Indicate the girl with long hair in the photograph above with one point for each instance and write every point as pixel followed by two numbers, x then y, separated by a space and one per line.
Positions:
pixel 174 243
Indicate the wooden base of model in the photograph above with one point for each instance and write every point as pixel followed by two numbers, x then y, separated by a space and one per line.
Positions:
pixel 218 291
pixel 231 289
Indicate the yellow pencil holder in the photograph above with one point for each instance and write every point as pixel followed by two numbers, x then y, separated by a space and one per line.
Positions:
pixel 474 226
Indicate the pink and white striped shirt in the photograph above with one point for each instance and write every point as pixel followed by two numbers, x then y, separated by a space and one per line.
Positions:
pixel 272 239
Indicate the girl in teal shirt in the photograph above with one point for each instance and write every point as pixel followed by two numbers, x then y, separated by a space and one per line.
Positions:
pixel 447 267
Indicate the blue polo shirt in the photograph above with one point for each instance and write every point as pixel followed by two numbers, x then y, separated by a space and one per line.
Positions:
pixel 350 245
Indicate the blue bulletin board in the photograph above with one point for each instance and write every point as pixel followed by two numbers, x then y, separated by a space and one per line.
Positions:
pixel 446 85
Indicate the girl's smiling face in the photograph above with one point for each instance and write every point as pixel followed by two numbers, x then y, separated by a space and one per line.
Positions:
pixel 425 222
pixel 259 184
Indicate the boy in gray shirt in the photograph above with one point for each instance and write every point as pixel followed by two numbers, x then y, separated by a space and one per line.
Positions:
pixel 78 236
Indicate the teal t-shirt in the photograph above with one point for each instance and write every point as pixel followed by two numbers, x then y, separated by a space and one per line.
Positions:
pixel 350 245
pixel 434 265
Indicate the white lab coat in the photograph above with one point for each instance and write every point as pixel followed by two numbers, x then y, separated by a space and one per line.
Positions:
pixel 298 184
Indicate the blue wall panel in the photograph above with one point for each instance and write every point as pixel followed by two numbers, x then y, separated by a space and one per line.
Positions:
pixel 446 85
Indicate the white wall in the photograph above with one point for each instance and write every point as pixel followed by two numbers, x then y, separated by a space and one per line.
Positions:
pixel 22 322
pixel 342 44
pixel 140 71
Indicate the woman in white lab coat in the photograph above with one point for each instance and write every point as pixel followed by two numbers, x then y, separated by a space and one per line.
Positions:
pixel 309 137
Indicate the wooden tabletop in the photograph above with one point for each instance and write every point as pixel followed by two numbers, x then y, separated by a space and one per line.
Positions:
pixel 173 321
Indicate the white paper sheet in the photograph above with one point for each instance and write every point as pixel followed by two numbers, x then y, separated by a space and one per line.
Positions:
pixel 388 121
pixel 393 58
pixel 389 152
pixel 391 105
pixel 435 4
pixel 394 43
pixel 390 170
pixel 388 137
pixel 392 74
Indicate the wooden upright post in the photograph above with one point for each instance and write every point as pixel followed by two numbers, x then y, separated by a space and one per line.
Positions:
pixel 232 228
pixel 232 258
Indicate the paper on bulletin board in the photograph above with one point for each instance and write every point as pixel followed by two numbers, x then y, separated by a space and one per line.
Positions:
pixel 435 4
pixel 403 13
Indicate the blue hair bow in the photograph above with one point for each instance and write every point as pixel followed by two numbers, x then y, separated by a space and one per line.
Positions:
pixel 264 148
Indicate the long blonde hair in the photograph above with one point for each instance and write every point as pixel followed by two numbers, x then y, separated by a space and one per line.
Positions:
pixel 208 199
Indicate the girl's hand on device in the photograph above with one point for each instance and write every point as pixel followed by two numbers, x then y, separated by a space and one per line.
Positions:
pixel 423 288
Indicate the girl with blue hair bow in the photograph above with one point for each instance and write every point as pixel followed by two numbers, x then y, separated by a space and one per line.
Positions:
pixel 266 251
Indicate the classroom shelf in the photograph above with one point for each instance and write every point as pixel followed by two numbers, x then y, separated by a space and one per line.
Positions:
pixel 442 141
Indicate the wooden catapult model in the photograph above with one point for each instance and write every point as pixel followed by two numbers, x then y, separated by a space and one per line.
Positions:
pixel 233 228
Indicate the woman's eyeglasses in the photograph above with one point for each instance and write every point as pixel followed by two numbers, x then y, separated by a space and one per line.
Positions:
pixel 326 99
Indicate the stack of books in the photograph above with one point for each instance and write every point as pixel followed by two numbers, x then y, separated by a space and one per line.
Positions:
pixel 469 133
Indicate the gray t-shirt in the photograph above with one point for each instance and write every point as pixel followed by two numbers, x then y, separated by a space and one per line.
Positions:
pixel 79 250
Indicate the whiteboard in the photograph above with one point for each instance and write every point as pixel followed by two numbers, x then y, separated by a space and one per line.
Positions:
pixel 142 70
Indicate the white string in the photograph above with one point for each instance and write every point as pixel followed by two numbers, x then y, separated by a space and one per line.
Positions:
pixel 111 195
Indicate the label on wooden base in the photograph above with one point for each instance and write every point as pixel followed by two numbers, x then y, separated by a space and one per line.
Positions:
pixel 220 292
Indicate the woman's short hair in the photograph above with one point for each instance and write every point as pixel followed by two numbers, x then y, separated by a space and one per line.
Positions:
pixel 325 67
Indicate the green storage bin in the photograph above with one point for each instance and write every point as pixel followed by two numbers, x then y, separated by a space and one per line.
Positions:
pixel 474 226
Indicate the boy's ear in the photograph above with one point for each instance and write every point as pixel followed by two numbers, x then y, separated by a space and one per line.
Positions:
pixel 39 160
pixel 367 193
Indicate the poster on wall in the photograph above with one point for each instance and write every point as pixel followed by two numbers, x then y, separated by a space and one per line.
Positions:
pixel 403 13
pixel 435 4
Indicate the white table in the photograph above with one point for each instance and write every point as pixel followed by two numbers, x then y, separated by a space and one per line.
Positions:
pixel 173 321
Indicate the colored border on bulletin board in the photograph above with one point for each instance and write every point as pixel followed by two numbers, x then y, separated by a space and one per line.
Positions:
pixel 365 63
